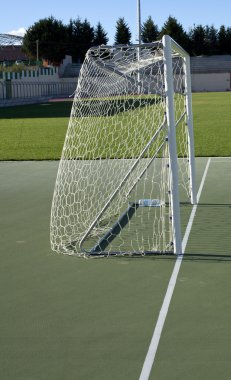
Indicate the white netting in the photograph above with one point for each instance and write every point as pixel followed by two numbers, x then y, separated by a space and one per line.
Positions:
pixel 112 188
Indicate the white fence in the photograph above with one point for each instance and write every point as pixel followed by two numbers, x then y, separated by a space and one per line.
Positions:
pixel 11 89
pixel 29 84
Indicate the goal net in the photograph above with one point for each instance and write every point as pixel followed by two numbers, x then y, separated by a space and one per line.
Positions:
pixel 128 154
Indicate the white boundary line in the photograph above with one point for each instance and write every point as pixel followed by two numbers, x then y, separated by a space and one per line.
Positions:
pixel 150 357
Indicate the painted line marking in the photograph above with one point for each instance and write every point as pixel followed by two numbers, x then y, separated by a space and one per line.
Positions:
pixel 150 357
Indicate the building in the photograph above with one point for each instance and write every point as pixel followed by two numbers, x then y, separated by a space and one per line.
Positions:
pixel 11 49
pixel 211 73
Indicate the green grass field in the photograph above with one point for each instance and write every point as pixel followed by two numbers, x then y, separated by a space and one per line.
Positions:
pixel 33 132
pixel 212 124
pixel 37 132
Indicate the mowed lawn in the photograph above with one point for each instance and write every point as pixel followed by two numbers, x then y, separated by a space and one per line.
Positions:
pixel 33 132
pixel 212 124
pixel 37 132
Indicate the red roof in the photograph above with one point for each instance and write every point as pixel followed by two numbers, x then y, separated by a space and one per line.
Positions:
pixel 12 53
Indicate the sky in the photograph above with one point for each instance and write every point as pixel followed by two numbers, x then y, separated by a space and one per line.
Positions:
pixel 20 15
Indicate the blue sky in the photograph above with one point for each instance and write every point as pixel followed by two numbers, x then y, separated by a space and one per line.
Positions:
pixel 22 14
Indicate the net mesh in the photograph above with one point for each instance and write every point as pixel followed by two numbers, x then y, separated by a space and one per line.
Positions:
pixel 112 193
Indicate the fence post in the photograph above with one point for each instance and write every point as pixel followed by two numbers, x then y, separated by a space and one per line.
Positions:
pixel 8 89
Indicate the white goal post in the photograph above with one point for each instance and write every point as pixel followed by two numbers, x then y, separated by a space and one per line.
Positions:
pixel 128 155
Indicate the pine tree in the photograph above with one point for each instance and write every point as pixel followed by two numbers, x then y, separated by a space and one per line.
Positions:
pixel 224 40
pixel 123 34
pixel 82 38
pixel 198 40
pixel 149 31
pixel 174 29
pixel 100 36
pixel 211 40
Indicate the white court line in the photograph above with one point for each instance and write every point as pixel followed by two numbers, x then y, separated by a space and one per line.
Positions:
pixel 150 357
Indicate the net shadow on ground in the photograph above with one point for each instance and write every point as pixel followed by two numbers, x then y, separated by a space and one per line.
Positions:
pixel 210 238
pixel 40 110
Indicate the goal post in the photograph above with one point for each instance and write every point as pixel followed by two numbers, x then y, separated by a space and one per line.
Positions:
pixel 171 122
pixel 128 155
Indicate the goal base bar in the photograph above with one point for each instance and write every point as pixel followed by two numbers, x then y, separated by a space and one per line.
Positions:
pixel 115 230
pixel 129 254
pixel 123 221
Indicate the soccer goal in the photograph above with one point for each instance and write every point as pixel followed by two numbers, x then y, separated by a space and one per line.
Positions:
pixel 128 156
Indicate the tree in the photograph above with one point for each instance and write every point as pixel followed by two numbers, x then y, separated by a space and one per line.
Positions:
pixel 54 39
pixel 224 40
pixel 81 38
pixel 87 34
pixel 100 36
pixel 198 40
pixel 123 34
pixel 51 35
pixel 174 29
pixel 211 38
pixel 228 38
pixel 149 31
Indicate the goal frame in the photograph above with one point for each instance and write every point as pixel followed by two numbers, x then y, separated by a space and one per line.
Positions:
pixel 168 47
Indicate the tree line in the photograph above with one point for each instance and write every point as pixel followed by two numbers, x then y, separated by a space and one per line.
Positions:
pixel 51 39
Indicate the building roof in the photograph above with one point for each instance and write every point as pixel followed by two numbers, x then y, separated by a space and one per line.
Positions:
pixel 11 48
pixel 10 40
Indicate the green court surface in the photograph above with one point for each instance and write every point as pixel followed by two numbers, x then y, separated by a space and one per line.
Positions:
pixel 65 318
